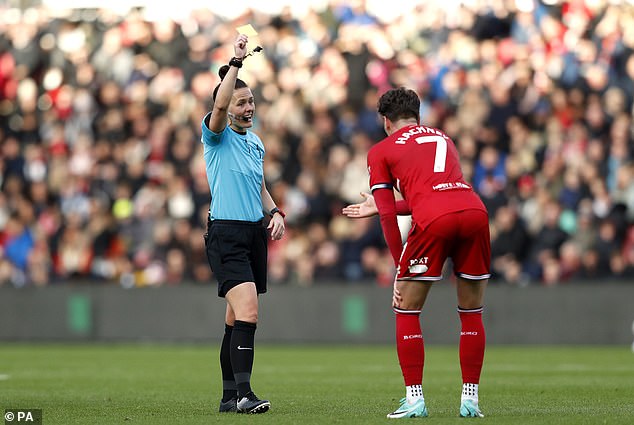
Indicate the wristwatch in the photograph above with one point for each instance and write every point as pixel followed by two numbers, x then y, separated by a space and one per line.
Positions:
pixel 237 62
pixel 277 210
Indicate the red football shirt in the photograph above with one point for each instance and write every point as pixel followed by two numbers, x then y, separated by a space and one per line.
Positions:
pixel 422 163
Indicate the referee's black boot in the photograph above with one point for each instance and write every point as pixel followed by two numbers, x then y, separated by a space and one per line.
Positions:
pixel 230 405
pixel 252 404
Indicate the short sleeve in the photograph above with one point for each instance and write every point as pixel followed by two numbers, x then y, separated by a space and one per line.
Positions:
pixel 208 137
pixel 380 176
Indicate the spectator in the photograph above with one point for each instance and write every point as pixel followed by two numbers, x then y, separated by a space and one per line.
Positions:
pixel 509 244
pixel 545 245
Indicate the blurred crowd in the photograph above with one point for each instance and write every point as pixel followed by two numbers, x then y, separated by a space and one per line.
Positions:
pixel 101 165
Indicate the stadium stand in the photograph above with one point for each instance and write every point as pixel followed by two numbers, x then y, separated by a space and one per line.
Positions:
pixel 101 167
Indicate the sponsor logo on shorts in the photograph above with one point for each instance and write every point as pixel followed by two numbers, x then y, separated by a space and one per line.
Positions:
pixel 418 265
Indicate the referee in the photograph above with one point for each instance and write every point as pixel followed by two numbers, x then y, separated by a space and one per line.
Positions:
pixel 236 240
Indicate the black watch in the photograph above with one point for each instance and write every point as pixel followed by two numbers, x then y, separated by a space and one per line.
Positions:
pixel 237 62
pixel 277 210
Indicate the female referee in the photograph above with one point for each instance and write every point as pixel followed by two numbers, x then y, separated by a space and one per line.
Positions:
pixel 236 240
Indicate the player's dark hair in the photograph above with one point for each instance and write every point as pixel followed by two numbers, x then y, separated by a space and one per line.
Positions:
pixel 222 72
pixel 400 103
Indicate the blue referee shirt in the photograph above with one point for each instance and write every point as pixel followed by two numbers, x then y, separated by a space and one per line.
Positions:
pixel 234 165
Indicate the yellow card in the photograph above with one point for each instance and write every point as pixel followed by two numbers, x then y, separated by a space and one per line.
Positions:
pixel 247 30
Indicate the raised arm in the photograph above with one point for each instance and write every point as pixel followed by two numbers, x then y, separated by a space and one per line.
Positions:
pixel 218 119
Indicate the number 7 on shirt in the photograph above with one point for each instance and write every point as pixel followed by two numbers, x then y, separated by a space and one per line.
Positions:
pixel 441 150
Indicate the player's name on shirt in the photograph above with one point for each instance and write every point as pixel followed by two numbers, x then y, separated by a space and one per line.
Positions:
pixel 415 131
pixel 450 186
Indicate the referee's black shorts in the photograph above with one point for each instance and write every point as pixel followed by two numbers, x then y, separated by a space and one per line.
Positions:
pixel 237 253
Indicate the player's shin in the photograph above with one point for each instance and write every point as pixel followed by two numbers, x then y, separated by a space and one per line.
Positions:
pixel 472 346
pixel 411 351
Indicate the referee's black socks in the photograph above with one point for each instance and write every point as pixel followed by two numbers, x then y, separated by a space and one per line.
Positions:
pixel 242 347
pixel 229 389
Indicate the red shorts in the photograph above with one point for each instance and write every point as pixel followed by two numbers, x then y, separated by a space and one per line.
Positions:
pixel 463 236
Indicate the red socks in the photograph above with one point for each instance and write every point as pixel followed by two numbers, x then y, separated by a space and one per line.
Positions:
pixel 409 346
pixel 411 349
pixel 472 343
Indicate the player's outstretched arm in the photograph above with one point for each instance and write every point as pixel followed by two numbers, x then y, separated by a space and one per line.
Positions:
pixel 367 208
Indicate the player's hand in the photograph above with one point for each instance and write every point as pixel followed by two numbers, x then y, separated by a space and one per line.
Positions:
pixel 240 46
pixel 396 297
pixel 367 208
pixel 277 227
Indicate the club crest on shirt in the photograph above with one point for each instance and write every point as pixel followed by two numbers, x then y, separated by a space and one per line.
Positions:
pixel 418 265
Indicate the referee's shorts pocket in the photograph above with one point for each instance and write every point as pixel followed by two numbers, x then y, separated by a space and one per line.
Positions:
pixel 226 244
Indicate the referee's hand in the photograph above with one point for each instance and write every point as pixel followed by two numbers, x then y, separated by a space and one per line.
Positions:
pixel 276 226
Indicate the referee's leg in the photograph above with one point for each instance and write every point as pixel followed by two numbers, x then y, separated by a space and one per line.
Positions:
pixel 229 388
pixel 243 300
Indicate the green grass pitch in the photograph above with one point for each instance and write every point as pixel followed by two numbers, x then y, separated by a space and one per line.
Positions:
pixel 308 384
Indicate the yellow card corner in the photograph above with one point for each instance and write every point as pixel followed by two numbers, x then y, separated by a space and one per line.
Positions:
pixel 247 30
